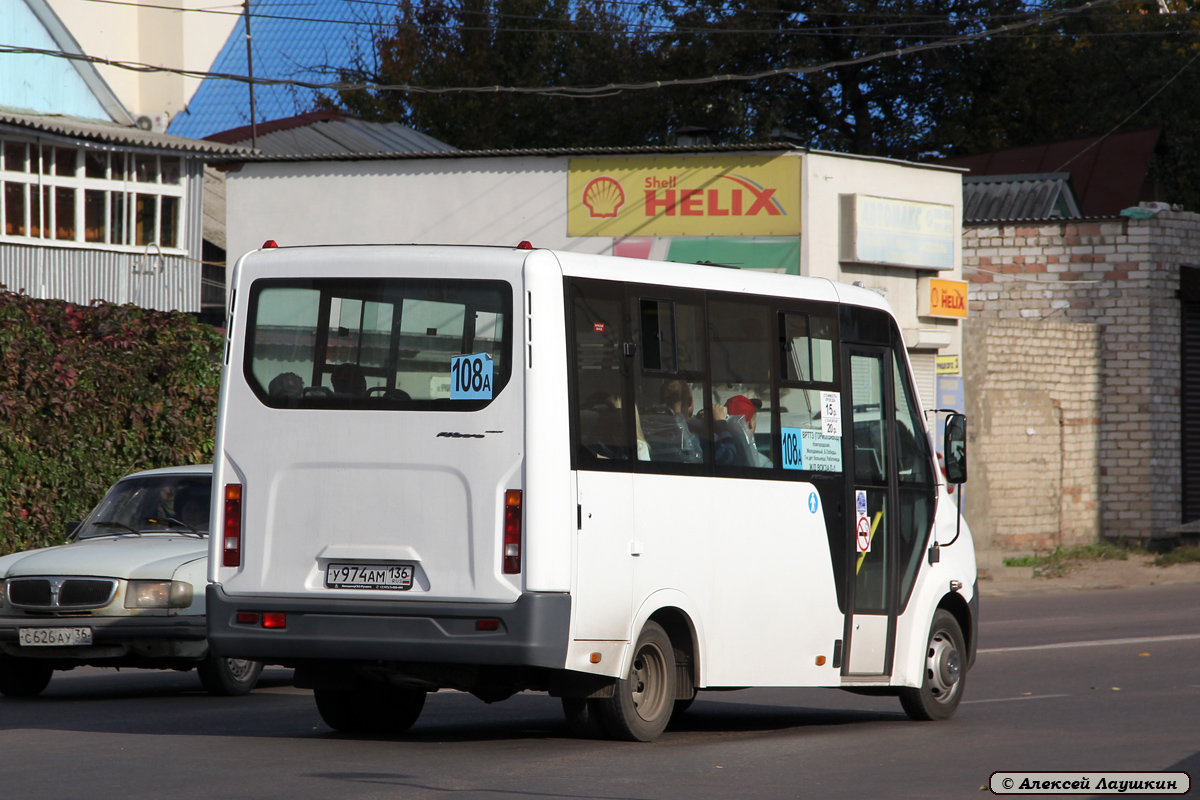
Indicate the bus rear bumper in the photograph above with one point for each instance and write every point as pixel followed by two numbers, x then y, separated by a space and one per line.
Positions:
pixel 533 631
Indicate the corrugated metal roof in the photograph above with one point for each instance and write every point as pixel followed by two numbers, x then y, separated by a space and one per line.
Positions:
pixel 325 133
pixel 1018 197
pixel 1108 173
pixel 547 151
pixel 306 41
pixel 111 133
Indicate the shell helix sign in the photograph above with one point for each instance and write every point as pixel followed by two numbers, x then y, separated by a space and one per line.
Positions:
pixel 684 196
pixel 941 298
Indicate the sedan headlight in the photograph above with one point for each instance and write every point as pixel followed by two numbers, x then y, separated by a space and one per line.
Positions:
pixel 158 594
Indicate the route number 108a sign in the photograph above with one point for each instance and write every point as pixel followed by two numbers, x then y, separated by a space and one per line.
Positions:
pixel 471 377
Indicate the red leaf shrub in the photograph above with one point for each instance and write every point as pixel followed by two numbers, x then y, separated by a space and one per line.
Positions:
pixel 89 394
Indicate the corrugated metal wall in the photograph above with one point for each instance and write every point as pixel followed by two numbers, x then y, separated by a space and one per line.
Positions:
pixel 147 278
pixel 166 283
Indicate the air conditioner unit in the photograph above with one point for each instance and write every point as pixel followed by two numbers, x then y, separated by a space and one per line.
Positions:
pixel 154 123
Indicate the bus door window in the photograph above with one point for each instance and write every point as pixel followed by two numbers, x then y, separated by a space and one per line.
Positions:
pixel 869 424
pixel 604 429
pixel 669 389
pixel 918 489
pixel 741 340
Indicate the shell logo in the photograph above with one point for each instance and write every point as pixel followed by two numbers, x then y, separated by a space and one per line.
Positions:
pixel 603 197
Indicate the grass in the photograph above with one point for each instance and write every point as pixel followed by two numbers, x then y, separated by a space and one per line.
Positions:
pixel 1060 562
pixel 1180 555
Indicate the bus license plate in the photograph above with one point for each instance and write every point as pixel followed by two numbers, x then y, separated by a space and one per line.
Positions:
pixel 54 637
pixel 369 576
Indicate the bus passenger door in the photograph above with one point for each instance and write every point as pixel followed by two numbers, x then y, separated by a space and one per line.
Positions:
pixel 871 621
pixel 603 454
pixel 604 579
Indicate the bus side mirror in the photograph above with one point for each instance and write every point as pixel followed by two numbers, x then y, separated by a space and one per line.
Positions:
pixel 955 448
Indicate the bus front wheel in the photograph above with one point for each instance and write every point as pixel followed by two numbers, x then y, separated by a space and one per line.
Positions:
pixel 943 675
pixel 641 704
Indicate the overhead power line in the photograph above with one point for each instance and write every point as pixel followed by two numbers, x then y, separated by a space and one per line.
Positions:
pixel 582 91
pixel 906 21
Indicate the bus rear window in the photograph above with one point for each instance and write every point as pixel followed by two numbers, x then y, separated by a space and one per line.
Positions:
pixel 379 343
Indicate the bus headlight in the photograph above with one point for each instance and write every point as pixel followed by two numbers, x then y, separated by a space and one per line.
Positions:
pixel 158 594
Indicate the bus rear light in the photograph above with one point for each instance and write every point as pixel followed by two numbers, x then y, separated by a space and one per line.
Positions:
pixel 269 244
pixel 247 618
pixel 274 619
pixel 232 532
pixel 512 532
pixel 487 624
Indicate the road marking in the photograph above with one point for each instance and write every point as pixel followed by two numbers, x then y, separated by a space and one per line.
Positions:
pixel 1183 637
pixel 1010 699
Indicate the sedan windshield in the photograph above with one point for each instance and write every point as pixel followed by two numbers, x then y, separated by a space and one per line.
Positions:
pixel 157 504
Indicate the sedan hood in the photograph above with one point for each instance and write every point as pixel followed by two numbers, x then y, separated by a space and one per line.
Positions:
pixel 152 556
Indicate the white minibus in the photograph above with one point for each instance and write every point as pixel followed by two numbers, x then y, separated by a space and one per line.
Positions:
pixel 620 482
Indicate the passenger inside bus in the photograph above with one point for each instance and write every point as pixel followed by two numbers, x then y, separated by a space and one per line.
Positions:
pixel 669 426
pixel 735 443
pixel 348 380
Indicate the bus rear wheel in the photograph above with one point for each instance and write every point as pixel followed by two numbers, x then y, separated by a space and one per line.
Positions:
pixel 943 675
pixel 641 705
pixel 371 708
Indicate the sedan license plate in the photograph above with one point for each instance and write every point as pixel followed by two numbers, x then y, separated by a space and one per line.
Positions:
pixel 397 577
pixel 54 637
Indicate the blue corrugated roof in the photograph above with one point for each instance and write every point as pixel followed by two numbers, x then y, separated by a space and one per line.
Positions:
pixel 292 40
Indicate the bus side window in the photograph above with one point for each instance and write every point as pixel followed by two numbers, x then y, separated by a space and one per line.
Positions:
pixel 668 387
pixel 604 429
pixel 742 341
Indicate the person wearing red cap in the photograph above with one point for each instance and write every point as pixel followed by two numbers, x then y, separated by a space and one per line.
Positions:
pixel 740 421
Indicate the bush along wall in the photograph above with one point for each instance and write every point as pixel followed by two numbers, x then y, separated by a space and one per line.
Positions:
pixel 89 394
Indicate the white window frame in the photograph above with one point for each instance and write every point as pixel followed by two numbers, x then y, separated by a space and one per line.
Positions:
pixel 123 185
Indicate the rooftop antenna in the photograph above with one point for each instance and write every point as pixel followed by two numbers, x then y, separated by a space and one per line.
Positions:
pixel 250 72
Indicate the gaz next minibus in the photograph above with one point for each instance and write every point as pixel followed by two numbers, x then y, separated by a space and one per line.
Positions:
pixel 617 481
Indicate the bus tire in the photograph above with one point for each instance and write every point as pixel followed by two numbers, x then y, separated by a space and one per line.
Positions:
pixel 641 705
pixel 21 678
pixel 378 709
pixel 943 677
pixel 228 677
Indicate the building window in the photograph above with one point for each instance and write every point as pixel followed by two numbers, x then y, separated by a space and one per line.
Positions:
pixel 90 197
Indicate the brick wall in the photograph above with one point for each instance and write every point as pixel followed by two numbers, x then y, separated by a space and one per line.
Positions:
pixel 1120 276
pixel 1032 391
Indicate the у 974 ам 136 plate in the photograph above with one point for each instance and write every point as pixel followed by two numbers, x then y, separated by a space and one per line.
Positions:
pixel 397 577
pixel 54 637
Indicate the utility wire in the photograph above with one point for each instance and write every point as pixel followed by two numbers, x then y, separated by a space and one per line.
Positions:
pixel 1136 111
pixel 580 91
pixel 908 21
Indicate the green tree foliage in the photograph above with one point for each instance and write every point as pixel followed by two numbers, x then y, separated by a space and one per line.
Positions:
pixel 513 43
pixel 888 106
pixel 1084 76
pixel 89 394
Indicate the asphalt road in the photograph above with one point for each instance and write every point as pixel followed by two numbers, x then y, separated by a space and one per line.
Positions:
pixel 1081 681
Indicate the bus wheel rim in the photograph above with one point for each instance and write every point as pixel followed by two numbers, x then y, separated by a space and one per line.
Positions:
pixel 943 667
pixel 648 682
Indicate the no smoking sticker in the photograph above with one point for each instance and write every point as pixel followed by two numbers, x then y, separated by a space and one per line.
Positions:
pixel 862 537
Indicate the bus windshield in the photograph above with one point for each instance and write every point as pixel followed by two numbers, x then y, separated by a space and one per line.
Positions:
pixel 379 343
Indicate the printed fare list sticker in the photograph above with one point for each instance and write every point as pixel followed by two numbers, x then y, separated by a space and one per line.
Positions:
pixel 831 413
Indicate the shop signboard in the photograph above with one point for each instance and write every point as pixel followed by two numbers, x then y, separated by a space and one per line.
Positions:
pixel 941 298
pixel 902 233
pixel 684 196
